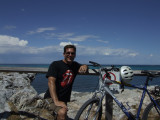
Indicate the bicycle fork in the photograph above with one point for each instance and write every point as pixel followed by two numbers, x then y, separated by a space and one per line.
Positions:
pixel 99 104
pixel 97 110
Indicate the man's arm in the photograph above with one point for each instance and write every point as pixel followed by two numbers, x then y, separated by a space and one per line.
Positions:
pixel 83 69
pixel 52 90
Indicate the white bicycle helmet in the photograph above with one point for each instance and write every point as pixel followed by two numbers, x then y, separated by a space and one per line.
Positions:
pixel 126 74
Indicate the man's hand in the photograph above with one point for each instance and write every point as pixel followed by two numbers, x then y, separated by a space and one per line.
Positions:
pixel 61 104
pixel 83 69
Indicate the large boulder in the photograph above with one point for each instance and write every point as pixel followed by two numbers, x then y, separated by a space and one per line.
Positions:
pixel 15 89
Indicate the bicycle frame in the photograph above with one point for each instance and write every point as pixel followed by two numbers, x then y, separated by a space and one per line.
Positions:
pixel 124 109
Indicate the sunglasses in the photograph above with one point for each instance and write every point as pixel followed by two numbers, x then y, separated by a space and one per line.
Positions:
pixel 68 53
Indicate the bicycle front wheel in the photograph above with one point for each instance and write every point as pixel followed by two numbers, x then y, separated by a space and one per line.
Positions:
pixel 90 110
pixel 152 112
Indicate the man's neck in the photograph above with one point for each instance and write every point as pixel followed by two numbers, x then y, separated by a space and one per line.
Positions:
pixel 69 63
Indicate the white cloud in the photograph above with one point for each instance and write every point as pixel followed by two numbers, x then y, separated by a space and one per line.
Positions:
pixel 11 44
pixel 133 54
pixel 11 41
pixel 81 38
pixel 66 36
pixel 9 27
pixel 70 36
pixel 40 30
pixel 103 41
pixel 22 9
pixel 59 36
pixel 42 50
pixel 151 55
pixel 65 43
pixel 104 51
pixel 63 36
pixel 62 44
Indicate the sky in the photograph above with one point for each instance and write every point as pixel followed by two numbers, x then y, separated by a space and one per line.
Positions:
pixel 104 31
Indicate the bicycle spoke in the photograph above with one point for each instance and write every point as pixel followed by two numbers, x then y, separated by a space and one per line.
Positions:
pixel 90 113
pixel 97 113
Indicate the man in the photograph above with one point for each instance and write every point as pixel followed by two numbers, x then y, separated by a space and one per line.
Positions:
pixel 61 75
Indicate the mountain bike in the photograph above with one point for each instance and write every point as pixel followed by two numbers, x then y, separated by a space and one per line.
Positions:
pixel 92 109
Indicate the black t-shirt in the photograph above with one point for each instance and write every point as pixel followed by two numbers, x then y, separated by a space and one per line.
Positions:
pixel 65 75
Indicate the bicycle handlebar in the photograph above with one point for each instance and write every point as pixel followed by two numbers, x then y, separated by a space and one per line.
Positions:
pixel 94 64
pixel 151 73
pixel 110 69
pixel 104 69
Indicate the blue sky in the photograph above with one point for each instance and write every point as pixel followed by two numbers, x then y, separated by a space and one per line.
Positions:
pixel 105 31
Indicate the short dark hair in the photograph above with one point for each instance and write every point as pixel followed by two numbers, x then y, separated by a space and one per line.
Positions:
pixel 69 46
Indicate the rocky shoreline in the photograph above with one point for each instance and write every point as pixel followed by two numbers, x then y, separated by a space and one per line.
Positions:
pixel 19 100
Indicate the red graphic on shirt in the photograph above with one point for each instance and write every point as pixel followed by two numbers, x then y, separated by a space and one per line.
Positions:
pixel 67 78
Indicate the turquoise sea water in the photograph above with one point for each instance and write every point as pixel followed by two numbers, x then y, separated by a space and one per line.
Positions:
pixel 85 83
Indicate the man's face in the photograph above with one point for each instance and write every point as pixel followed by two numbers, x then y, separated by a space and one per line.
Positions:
pixel 69 55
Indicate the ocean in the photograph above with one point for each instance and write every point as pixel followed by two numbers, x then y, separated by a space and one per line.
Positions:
pixel 85 83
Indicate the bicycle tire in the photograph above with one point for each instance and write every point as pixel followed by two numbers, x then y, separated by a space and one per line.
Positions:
pixel 150 112
pixel 93 103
